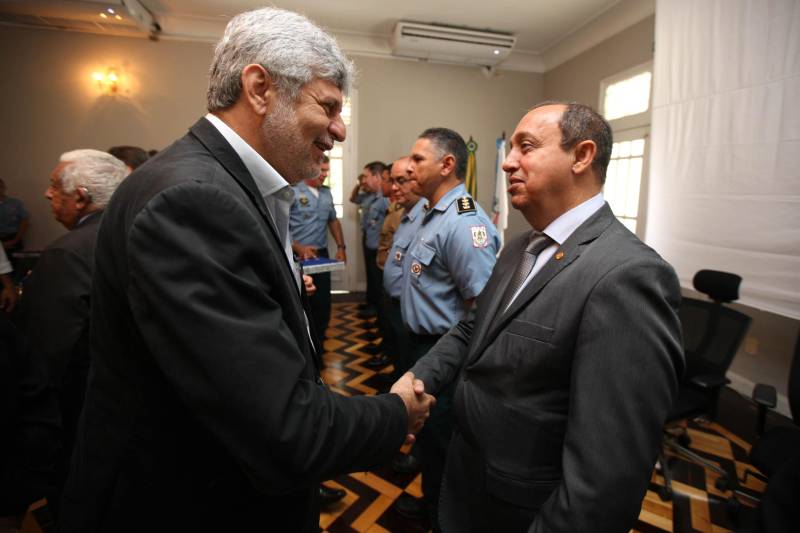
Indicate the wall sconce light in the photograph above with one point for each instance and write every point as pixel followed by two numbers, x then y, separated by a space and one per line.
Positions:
pixel 108 81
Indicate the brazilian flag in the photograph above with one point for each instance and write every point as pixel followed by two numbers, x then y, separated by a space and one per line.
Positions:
pixel 471 181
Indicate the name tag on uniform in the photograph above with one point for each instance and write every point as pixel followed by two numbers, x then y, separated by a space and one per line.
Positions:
pixel 480 238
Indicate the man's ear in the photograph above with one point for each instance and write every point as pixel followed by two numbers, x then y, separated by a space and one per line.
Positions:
pixel 449 165
pixel 258 90
pixel 82 198
pixel 584 155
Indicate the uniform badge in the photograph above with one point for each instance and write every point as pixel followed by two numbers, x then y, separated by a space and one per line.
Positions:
pixel 465 204
pixel 303 200
pixel 398 256
pixel 416 268
pixel 480 238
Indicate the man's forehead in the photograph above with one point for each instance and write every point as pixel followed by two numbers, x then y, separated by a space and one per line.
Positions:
pixel 539 120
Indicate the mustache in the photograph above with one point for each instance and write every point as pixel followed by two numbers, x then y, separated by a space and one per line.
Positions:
pixel 325 141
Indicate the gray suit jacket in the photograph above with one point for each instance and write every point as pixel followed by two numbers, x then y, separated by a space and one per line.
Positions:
pixel 564 395
pixel 205 410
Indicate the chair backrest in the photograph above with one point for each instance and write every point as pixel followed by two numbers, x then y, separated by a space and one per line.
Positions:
pixel 712 332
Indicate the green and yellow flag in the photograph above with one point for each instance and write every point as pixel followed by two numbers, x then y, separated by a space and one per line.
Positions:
pixel 471 181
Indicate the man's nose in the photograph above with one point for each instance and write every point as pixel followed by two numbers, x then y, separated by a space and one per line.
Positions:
pixel 337 129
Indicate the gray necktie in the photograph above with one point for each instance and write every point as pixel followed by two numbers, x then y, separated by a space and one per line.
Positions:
pixel 538 242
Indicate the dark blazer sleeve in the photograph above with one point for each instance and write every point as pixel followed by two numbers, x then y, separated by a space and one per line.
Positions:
pixel 443 363
pixel 624 375
pixel 55 311
pixel 202 288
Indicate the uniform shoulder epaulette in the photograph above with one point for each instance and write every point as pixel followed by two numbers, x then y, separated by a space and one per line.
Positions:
pixel 465 204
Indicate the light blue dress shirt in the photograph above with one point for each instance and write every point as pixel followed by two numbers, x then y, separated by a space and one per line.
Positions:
pixel 373 211
pixel 449 261
pixel 310 215
pixel 393 268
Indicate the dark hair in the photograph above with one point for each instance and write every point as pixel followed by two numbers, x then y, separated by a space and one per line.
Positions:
pixel 580 122
pixel 133 156
pixel 376 167
pixel 326 159
pixel 449 142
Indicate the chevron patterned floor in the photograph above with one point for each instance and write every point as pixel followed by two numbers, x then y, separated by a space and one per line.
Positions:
pixel 697 506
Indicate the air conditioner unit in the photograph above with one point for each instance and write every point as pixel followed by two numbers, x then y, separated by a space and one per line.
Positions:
pixel 450 44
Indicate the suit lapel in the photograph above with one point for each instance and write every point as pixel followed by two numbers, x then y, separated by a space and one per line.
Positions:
pixel 587 232
pixel 212 139
pixel 501 277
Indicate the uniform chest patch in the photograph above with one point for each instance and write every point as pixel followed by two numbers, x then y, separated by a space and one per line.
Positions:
pixel 480 238
pixel 304 200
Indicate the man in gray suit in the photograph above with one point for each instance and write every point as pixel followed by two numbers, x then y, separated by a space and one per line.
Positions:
pixel 569 363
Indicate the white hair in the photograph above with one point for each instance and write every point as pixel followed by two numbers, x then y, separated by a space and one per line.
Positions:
pixel 97 172
pixel 289 46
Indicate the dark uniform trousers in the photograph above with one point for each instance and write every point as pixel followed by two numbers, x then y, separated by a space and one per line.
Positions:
pixel 434 439
pixel 320 303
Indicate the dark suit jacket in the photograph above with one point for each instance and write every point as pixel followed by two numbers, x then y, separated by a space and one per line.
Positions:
pixel 563 397
pixel 54 314
pixel 205 410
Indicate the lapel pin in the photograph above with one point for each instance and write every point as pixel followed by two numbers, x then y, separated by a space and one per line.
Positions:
pixel 559 255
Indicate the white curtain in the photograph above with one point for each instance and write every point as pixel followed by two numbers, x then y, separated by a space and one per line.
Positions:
pixel 725 155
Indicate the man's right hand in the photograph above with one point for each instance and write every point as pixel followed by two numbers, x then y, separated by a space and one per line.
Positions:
pixel 418 403
pixel 305 252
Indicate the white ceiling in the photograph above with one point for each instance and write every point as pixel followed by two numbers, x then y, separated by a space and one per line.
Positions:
pixel 548 31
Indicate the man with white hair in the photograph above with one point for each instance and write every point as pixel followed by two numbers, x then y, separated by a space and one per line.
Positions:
pixel 54 309
pixel 205 410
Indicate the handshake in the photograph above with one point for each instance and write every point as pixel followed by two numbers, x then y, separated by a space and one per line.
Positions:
pixel 418 403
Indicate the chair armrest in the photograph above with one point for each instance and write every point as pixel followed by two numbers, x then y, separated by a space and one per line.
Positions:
pixel 709 381
pixel 765 395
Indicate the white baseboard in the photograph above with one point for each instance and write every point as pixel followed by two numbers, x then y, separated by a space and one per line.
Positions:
pixel 745 387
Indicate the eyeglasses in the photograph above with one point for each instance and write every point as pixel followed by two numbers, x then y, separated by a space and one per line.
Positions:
pixel 398 181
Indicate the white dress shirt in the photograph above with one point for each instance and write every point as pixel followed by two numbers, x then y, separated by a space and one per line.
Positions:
pixel 559 230
pixel 277 193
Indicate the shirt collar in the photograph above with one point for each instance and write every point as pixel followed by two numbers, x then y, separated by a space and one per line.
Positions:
pixel 561 228
pixel 267 178
pixel 412 213
pixel 450 196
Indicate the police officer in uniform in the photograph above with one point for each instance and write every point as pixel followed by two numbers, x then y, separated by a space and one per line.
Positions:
pixel 445 266
pixel 373 210
pixel 311 217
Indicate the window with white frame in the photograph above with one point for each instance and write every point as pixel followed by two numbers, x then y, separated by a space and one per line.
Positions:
pixel 623 180
pixel 625 103
pixel 336 174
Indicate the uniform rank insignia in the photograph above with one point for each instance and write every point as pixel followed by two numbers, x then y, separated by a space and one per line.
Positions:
pixel 480 239
pixel 466 205
pixel 303 200
pixel 416 268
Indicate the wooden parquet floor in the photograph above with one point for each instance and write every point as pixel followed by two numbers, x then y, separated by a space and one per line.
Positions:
pixel 697 506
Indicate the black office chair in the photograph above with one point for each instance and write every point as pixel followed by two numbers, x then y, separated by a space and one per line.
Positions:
pixel 776 454
pixel 712 334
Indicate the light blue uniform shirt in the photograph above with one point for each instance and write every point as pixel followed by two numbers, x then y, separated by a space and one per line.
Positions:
pixel 308 221
pixel 373 211
pixel 449 261
pixel 393 269
pixel 12 212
